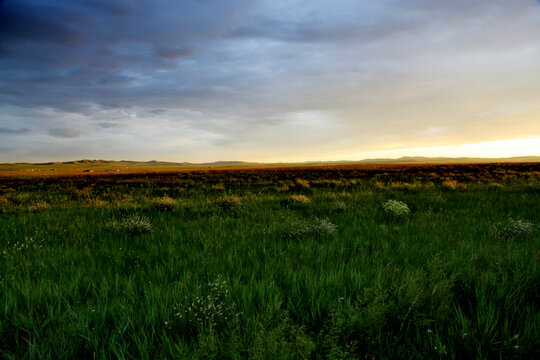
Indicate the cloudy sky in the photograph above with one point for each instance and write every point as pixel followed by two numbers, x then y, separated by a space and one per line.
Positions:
pixel 268 80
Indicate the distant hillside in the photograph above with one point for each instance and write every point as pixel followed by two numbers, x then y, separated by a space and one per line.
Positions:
pixel 438 160
pixel 147 163
pixel 231 163
pixel 426 160
pixel 86 163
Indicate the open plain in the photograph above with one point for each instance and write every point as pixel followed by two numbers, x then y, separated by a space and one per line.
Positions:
pixel 322 262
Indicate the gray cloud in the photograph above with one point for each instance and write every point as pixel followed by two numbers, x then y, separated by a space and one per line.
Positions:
pixel 64 133
pixel 91 50
pixel 14 131
pixel 281 77
pixel 108 125
pixel 172 52
pixel 157 111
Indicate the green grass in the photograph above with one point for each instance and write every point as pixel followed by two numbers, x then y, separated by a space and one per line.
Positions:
pixel 233 269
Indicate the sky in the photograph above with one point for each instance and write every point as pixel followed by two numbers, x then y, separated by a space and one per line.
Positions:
pixel 268 80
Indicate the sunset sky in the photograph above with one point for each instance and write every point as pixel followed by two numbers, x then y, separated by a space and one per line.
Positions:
pixel 268 80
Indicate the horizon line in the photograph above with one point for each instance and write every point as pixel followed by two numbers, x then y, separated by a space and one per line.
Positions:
pixel 384 159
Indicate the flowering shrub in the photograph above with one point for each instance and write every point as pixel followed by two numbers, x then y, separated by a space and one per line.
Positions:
pixel 323 227
pixel 133 224
pixel 339 205
pixel 38 205
pixel 301 183
pixel 396 208
pixel 513 228
pixel 5 204
pixel 299 200
pixel 214 307
pixel 282 187
pixel 296 229
pixel 29 242
pixel 230 203
pixel 164 203
pixel 95 202
pixel 451 184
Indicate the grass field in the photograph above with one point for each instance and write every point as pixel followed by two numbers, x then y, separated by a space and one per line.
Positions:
pixel 345 262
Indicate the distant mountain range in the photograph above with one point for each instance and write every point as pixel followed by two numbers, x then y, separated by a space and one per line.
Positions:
pixel 401 160
pixel 444 160
pixel 87 162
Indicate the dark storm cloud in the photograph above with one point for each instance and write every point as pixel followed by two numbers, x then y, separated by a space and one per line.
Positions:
pixel 14 131
pixel 74 56
pixel 35 21
pixel 68 55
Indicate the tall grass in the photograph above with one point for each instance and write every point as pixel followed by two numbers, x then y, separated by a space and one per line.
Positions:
pixel 244 270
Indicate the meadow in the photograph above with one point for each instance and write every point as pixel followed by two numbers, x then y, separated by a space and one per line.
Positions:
pixel 340 262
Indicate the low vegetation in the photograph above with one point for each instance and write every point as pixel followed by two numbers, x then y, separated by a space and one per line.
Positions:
pixel 396 208
pixel 423 262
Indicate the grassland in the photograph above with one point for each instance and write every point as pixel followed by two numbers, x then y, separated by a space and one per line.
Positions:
pixel 280 263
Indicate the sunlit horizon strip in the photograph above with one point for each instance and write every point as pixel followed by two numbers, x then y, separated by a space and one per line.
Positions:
pixel 500 149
